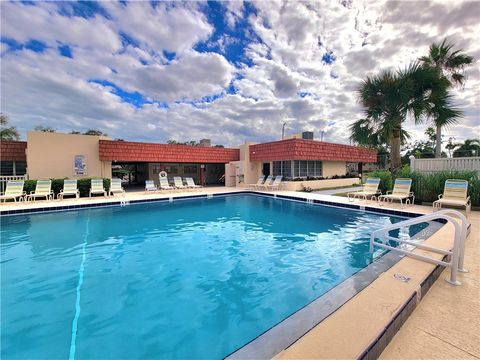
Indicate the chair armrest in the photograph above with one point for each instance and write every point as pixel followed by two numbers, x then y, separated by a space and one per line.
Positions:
pixel 468 199
pixel 440 196
pixel 388 192
pixel 32 192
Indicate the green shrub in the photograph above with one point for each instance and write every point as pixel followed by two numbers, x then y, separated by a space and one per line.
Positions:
pixel 427 187
pixel 57 185
pixel 386 179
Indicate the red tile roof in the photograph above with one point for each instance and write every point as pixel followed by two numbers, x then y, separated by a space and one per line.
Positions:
pixel 111 150
pixel 300 149
pixel 13 150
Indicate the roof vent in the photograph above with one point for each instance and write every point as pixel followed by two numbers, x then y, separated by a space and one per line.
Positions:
pixel 307 135
pixel 206 142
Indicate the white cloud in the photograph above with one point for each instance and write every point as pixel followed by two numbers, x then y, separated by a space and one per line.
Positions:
pixel 364 37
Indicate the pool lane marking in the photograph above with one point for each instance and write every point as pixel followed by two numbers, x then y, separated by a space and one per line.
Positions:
pixel 81 272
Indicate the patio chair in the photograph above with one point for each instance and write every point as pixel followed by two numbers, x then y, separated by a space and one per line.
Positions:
pixel 96 188
pixel 116 187
pixel 259 182
pixel 370 189
pixel 276 183
pixel 264 186
pixel 191 184
pixel 150 186
pixel 455 193
pixel 401 191
pixel 178 182
pixel 69 189
pixel 164 185
pixel 13 191
pixel 43 189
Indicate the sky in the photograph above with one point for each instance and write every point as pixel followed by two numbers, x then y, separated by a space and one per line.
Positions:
pixel 229 71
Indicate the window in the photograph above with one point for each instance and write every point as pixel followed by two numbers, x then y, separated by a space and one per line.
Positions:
pixel 297 169
pixel 6 168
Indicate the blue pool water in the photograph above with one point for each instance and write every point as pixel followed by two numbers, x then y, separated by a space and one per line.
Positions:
pixel 192 279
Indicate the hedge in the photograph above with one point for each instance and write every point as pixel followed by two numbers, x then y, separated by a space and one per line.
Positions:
pixel 427 187
pixel 57 185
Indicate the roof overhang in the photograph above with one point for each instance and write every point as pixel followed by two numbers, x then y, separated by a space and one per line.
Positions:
pixel 129 151
pixel 300 149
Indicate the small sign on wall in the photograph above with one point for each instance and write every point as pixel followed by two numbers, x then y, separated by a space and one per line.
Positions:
pixel 80 165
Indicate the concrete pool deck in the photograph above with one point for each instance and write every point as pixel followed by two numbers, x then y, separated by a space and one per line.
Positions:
pixel 446 324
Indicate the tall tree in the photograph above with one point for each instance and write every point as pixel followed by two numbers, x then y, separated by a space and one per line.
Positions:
pixel 388 99
pixel 450 64
pixel 44 129
pixel 470 147
pixel 7 133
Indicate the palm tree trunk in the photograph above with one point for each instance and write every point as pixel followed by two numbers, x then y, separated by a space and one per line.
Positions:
pixel 438 142
pixel 395 151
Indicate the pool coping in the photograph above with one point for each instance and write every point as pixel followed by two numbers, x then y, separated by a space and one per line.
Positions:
pixel 283 334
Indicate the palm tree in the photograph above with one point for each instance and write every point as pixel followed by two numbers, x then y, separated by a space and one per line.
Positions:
pixel 7 133
pixel 471 147
pixel 388 99
pixel 450 65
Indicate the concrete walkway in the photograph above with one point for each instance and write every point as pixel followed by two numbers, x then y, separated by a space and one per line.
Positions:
pixel 446 323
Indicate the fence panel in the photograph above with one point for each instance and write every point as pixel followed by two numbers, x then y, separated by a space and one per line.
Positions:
pixel 445 164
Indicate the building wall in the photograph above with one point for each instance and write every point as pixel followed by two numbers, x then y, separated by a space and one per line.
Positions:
pixel 246 171
pixel 51 155
pixel 331 168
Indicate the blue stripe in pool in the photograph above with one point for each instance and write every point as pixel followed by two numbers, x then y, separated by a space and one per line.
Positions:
pixel 190 279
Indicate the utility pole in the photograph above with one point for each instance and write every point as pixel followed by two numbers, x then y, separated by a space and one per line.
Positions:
pixel 322 135
pixel 283 129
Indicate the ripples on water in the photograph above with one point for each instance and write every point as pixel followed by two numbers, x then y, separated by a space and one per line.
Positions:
pixel 191 279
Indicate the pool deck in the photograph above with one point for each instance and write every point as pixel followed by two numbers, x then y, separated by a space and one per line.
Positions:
pixel 444 325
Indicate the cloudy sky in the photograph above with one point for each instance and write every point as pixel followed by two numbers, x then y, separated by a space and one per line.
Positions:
pixel 233 71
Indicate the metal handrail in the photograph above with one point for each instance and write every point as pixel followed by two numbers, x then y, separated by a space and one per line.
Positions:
pixel 457 254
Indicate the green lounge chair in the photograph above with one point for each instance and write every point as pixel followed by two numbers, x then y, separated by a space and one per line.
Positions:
pixel 42 189
pixel 116 187
pixel 275 185
pixel 164 185
pixel 96 188
pixel 401 191
pixel 370 189
pixel 13 191
pixel 191 184
pixel 178 182
pixel 264 186
pixel 69 189
pixel 260 181
pixel 455 193
pixel 150 186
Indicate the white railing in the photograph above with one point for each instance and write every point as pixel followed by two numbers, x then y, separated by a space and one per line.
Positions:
pixel 5 179
pixel 457 254
pixel 445 164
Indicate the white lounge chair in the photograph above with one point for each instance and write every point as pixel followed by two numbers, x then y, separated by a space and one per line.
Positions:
pixel 455 193
pixel 401 191
pixel 191 184
pixel 178 183
pixel 69 189
pixel 164 185
pixel 13 191
pixel 150 186
pixel 370 189
pixel 259 182
pixel 264 186
pixel 43 189
pixel 116 187
pixel 276 183
pixel 96 188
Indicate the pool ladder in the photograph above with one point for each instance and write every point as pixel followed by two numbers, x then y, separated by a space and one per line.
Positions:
pixel 455 257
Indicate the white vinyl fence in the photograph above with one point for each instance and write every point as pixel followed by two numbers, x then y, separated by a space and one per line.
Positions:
pixel 5 179
pixel 445 164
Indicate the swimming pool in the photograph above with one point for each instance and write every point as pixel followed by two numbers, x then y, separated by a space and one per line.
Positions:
pixel 188 279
